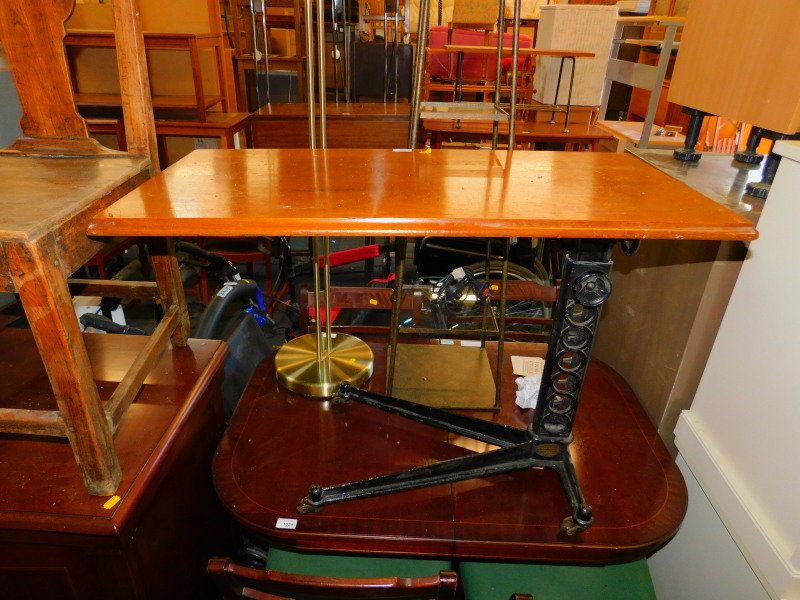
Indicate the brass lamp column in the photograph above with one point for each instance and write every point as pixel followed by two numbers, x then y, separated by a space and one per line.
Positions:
pixel 316 364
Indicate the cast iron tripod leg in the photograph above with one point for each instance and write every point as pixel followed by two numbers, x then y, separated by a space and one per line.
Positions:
pixel 582 515
pixel 477 429
pixel 484 464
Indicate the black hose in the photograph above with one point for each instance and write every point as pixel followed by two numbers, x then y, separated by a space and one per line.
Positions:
pixel 105 324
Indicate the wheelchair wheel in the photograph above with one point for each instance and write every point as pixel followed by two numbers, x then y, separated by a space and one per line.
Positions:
pixel 516 309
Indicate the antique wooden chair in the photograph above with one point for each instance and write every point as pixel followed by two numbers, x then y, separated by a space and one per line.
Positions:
pixel 237 581
pixel 55 178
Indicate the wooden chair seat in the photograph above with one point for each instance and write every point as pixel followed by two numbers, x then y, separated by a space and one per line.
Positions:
pixel 499 581
pixel 315 575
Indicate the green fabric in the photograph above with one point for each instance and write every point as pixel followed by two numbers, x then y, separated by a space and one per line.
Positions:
pixel 341 565
pixel 497 581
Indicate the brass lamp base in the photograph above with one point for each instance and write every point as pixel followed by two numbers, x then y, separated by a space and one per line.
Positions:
pixel 349 360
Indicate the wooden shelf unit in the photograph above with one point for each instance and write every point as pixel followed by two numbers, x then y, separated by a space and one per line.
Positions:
pixel 194 43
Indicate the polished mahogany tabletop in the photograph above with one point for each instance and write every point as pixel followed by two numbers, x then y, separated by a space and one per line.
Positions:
pixel 279 443
pixel 422 192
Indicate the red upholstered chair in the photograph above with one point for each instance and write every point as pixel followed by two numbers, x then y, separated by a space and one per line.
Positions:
pixel 440 62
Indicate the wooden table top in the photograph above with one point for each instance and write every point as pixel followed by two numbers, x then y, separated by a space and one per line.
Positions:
pixel 355 192
pixel 260 473
pixel 42 487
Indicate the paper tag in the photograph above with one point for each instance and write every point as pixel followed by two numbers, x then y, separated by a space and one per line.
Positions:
pixel 286 524
pixel 470 342
pixel 527 365
pixel 224 290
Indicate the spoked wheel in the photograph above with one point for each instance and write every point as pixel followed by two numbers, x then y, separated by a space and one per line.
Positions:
pixel 518 308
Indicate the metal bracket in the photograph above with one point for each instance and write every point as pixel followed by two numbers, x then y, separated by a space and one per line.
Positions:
pixel 585 287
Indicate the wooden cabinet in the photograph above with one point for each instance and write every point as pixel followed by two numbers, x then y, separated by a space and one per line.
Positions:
pixel 739 59
pixel 153 539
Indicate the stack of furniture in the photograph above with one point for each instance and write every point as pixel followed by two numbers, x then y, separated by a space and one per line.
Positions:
pixel 250 32
pixel 104 438
pixel 189 68
pixel 479 71
pixel 585 196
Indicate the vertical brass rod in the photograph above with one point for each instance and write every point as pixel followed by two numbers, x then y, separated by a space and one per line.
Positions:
pixel 317 292
pixel 254 23
pixel 328 318
pixel 487 278
pixel 322 91
pixel 310 95
pixel 397 301
pixel 501 338
pixel 419 71
pixel 265 33
pixel 512 117
pixel 501 31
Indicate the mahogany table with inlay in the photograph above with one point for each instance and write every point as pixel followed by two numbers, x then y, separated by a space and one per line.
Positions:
pixel 277 442
pixel 589 200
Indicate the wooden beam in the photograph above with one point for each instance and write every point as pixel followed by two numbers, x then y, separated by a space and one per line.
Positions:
pixel 32 422
pixel 127 389
pixel 111 288
pixel 137 103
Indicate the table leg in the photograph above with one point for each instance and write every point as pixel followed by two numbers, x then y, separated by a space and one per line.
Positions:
pixel 585 287
pixel 397 301
pixel 459 88
pixel 168 276
pixel 569 94
pixel 558 89
pixel 43 290
pixel 688 153
pixel 749 155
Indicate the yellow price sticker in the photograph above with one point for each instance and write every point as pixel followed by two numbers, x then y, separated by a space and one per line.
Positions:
pixel 111 502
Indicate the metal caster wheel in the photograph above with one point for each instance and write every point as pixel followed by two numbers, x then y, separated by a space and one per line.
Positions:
pixel 337 400
pixel 568 527
pixel 304 507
